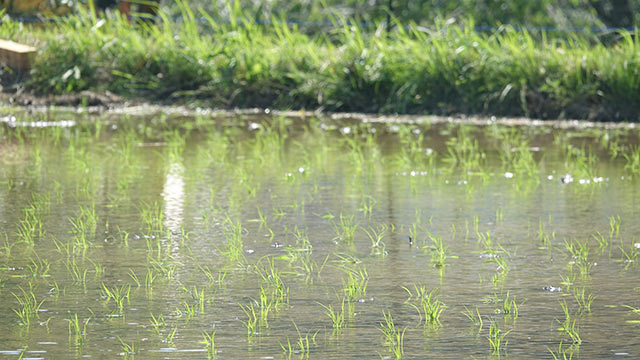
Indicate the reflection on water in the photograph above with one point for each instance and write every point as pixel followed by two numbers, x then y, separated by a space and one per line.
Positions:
pixel 302 232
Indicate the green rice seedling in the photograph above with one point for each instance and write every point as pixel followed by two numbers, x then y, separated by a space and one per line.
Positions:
pixel 426 303
pixel 152 218
pixel 345 229
pixel 509 306
pixel 134 277
pixel 356 283
pixel 337 316
pixel 7 245
pixel 129 351
pixel 635 311
pixel 208 340
pixel 630 255
pixel 438 250
pixel 579 252
pixel 30 227
pixel 38 267
pixel 376 235
pixel 496 338
pixel 252 319
pixel 569 325
pixel 272 277
pixel 614 226
pixel 583 299
pixel 29 305
pixel 563 353
pixel 602 241
pixel 148 282
pixel 632 158
pixel 158 323
pixel 545 237
pixel 84 226
pixel 302 346
pixel 393 337
pixel 77 329
pixel 78 275
pixel 117 294
pixel 166 268
pixel 475 318
pixel 366 205
pixel 233 249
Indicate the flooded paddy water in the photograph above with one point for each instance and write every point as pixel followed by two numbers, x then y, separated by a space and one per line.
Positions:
pixel 266 236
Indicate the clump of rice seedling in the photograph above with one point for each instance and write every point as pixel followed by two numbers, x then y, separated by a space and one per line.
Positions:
pixel 393 337
pixel 376 235
pixel 583 299
pixel 427 304
pixel 117 294
pixel 570 325
pixel 77 329
pixel 302 346
pixel 208 340
pixel 345 228
pixel 29 306
pixel 497 338
pixel 475 317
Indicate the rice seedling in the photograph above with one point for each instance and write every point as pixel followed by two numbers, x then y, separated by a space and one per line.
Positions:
pixel 428 306
pixel 117 294
pixel 152 218
pixel 438 250
pixel 375 236
pixel 129 351
pixel 614 226
pixel 302 346
pixel 337 316
pixel 545 237
pixel 583 299
pixel 29 305
pixel 579 252
pixel 356 283
pixel 564 353
pixel 84 226
pixel 632 158
pixel 510 306
pixel 569 326
pixel 629 255
pixel 38 267
pixel 496 338
pixel 393 337
pixel 233 249
pixel 252 319
pixel 474 317
pixel 77 329
pixel 635 311
pixel 272 277
pixel 208 340
pixel 345 229
pixel 158 323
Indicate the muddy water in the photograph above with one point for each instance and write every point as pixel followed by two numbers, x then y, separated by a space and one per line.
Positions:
pixel 207 205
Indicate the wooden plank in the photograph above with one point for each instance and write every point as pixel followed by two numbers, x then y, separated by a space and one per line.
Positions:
pixel 15 55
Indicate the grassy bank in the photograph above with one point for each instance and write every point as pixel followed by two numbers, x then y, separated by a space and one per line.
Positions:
pixel 447 69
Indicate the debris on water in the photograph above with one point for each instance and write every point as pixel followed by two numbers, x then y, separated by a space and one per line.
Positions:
pixel 550 177
pixel 552 289
pixel 488 256
pixel 508 175
pixel 254 126
pixel 410 241
pixel 249 251
pixel 346 130
pixel 301 170
pixel 428 151
pixel 276 245
pixel 636 245
pixel 566 179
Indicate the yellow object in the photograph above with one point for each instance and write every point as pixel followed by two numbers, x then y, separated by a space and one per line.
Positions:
pixel 15 56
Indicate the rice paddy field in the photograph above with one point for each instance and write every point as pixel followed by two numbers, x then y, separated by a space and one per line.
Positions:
pixel 268 236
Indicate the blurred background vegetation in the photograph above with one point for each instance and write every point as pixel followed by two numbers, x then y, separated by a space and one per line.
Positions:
pixel 489 13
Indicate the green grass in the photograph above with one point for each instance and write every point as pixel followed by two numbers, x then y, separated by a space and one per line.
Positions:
pixel 443 69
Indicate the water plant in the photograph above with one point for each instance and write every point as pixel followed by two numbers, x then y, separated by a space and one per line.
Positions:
pixel 474 317
pixel 426 303
pixel 77 328
pixel 117 294
pixel 393 336
pixel 569 326
pixel 208 340
pixel 496 338
pixel 584 299
pixel 345 228
pixel 29 305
